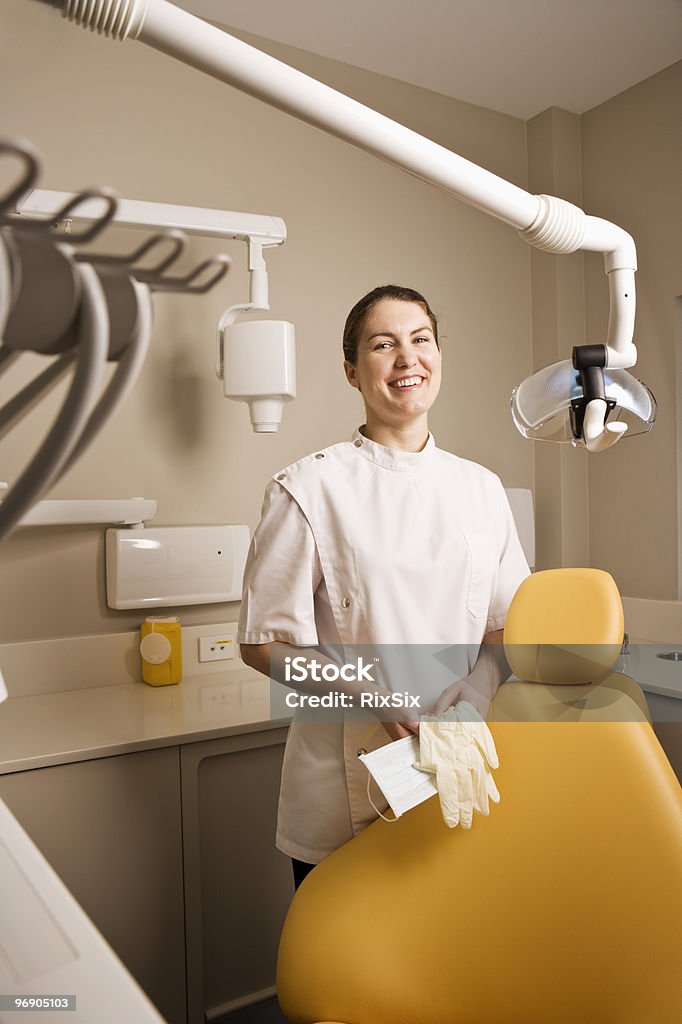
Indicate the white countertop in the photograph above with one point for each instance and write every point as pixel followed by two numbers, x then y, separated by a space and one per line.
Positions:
pixel 73 725
pixel 80 724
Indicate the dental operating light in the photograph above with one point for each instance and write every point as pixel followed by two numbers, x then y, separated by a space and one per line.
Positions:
pixel 592 402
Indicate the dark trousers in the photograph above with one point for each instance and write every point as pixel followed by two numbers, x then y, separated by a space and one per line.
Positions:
pixel 300 869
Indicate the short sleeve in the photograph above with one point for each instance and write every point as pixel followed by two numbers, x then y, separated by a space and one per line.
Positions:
pixel 513 567
pixel 281 575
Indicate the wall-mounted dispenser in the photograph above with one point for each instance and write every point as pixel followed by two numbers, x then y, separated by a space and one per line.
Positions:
pixel 175 565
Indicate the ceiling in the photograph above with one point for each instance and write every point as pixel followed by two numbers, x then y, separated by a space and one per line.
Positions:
pixel 516 56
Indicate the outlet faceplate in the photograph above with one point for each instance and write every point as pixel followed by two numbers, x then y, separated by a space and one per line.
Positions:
pixel 217 648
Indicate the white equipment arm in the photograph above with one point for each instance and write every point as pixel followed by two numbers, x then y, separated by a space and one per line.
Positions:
pixel 546 222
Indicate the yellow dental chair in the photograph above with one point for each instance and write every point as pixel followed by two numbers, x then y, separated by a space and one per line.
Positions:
pixel 563 906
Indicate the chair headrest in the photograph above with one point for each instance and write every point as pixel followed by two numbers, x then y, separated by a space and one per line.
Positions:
pixel 564 626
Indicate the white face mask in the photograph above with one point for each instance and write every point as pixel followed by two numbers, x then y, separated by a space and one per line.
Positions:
pixel 392 768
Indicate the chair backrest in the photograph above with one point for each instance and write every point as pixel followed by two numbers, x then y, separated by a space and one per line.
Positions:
pixel 564 626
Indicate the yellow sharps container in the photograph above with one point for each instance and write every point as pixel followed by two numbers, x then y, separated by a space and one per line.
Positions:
pixel 161 650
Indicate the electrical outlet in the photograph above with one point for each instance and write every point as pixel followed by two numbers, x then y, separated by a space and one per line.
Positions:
pixel 217 648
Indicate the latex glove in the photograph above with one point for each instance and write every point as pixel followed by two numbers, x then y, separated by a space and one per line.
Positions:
pixel 459 750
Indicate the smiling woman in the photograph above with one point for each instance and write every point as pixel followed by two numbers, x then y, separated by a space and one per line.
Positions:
pixel 381 540
pixel 393 358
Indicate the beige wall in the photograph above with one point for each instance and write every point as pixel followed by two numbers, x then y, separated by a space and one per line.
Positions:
pixel 632 174
pixel 121 114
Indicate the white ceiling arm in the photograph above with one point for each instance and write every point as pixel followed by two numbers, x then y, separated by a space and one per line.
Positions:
pixel 543 221
pixel 561 227
pixel 210 49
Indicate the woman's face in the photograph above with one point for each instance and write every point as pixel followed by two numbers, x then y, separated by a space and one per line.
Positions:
pixel 398 363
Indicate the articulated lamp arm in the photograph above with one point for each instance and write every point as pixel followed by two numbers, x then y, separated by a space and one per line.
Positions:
pixel 546 222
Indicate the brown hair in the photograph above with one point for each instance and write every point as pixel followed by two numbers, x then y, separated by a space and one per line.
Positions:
pixel 356 317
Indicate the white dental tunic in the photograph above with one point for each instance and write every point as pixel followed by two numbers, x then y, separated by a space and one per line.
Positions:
pixel 362 544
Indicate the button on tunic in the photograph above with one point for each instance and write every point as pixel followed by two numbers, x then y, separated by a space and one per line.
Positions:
pixel 363 544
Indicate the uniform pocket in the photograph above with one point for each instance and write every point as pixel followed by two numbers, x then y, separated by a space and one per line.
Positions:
pixel 481 551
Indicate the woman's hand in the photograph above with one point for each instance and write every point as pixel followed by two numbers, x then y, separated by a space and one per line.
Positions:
pixel 461 690
pixel 480 686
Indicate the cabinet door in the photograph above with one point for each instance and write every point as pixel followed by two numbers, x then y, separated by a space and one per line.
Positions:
pixel 111 829
pixel 238 885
